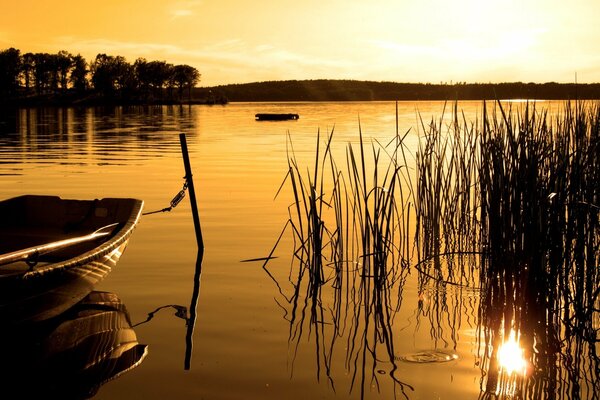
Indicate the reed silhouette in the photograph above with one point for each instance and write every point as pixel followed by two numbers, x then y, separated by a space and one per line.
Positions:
pixel 350 259
pixel 506 237
pixel 530 188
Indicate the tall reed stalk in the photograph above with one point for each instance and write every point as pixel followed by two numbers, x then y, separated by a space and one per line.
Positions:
pixel 522 190
pixel 518 189
pixel 350 233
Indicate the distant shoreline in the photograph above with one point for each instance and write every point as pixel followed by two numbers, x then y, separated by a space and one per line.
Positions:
pixel 350 90
pixel 326 90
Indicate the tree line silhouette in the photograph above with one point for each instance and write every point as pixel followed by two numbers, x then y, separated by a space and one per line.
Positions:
pixel 352 90
pixel 64 77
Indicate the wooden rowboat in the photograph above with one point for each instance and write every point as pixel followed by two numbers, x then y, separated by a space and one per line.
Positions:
pixel 54 251
pixel 275 117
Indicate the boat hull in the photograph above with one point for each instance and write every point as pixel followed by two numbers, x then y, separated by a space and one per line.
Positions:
pixel 43 297
pixel 46 289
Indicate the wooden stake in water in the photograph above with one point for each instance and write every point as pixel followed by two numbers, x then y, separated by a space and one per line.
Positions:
pixel 194 303
pixel 190 182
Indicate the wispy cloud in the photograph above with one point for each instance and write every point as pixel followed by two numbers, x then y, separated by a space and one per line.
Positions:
pixel 471 48
pixel 227 61
pixel 184 9
pixel 181 13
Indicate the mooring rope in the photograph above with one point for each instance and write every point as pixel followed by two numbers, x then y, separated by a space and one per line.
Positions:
pixel 175 201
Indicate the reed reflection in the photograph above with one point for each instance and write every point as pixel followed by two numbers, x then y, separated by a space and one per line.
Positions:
pixel 449 295
pixel 350 263
pixel 72 355
pixel 533 218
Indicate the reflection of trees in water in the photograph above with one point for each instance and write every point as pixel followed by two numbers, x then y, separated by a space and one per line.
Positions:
pixel 100 132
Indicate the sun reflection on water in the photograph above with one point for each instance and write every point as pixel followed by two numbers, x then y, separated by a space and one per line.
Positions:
pixel 510 356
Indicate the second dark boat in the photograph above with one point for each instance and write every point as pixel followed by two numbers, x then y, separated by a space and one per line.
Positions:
pixel 275 117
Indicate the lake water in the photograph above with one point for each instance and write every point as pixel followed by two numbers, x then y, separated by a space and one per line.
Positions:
pixel 244 345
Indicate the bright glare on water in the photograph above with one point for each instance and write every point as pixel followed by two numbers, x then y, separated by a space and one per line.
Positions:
pixel 510 356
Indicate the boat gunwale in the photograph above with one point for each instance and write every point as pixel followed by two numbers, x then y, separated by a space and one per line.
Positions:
pixel 122 235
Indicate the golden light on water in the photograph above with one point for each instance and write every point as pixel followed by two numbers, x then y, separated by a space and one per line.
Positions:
pixel 510 356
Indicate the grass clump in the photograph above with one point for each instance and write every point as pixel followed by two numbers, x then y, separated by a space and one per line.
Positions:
pixel 517 191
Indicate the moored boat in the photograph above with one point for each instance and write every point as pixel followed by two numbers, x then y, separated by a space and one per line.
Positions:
pixel 54 251
pixel 275 116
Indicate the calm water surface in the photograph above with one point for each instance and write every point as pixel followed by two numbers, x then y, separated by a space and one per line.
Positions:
pixel 241 345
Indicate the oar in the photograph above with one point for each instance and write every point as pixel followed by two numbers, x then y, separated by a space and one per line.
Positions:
pixel 36 251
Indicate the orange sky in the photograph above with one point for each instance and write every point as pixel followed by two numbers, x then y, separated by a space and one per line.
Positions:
pixel 235 41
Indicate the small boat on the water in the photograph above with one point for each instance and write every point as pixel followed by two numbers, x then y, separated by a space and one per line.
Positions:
pixel 275 117
pixel 71 355
pixel 54 251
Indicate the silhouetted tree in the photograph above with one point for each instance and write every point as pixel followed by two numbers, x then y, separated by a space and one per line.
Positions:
pixel 113 75
pixel 63 63
pixel 143 73
pixel 185 76
pixel 79 74
pixel 42 72
pixel 159 75
pixel 10 69
pixel 27 68
pixel 110 76
pixel 52 64
pixel 102 74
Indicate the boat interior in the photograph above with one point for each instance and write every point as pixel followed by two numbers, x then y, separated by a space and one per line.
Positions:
pixel 30 221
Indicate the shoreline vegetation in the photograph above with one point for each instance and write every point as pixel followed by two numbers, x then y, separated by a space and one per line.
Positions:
pixel 504 209
pixel 352 90
pixel 64 79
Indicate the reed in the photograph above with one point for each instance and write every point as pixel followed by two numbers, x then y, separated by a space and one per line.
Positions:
pixel 349 227
pixel 521 190
pixel 517 191
pixel 447 199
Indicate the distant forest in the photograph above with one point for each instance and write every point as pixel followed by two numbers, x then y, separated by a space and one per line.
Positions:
pixel 350 90
pixel 64 78
pixel 43 79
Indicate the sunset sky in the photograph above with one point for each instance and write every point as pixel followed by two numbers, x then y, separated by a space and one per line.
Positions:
pixel 237 41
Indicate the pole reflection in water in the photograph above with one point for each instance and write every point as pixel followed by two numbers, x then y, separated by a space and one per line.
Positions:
pixel 72 355
pixel 191 321
pixel 182 311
